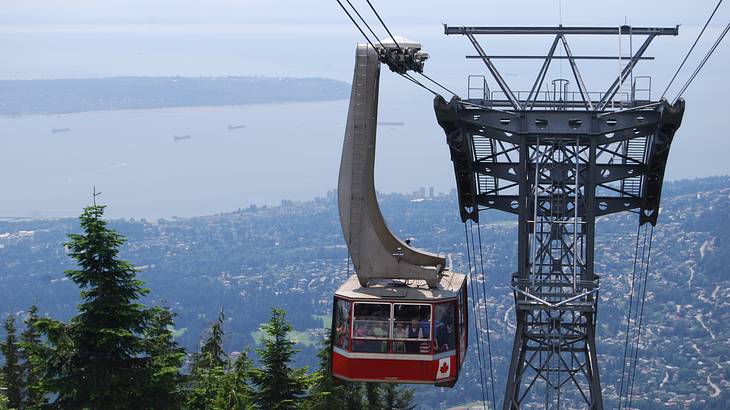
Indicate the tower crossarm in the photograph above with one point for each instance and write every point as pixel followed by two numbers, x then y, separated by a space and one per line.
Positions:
pixel 630 150
pixel 559 158
pixel 560 97
pixel 557 170
pixel 583 30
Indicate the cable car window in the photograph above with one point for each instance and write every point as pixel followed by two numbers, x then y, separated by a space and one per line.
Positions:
pixel 342 323
pixel 371 321
pixel 443 327
pixel 412 328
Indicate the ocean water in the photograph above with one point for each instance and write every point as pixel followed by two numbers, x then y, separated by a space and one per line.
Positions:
pixel 285 151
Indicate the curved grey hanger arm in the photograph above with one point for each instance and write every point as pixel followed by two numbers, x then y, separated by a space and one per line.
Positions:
pixel 376 252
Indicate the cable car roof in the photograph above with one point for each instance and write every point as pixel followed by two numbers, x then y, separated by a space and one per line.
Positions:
pixel 416 290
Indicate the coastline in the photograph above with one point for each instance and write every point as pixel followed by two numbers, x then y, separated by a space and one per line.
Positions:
pixel 175 109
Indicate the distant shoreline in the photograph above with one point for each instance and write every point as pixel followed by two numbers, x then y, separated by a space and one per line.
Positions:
pixel 71 96
pixel 188 108
pixel 672 188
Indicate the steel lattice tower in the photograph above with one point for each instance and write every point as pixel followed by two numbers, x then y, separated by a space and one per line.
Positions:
pixel 558 159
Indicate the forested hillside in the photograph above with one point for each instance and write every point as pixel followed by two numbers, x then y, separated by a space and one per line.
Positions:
pixel 293 257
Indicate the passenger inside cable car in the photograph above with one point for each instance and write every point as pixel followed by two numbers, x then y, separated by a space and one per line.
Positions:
pixel 400 317
pixel 444 329
pixel 418 340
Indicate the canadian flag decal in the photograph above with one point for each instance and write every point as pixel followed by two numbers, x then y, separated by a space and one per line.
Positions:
pixel 444 369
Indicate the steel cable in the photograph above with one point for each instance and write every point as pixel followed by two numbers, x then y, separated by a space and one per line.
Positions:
pixel 702 63
pixel 486 314
pixel 474 311
pixel 634 326
pixel 628 317
pixel 355 23
pixel 691 48
pixel 478 314
pixel 383 23
pixel 438 84
pixel 641 318
pixel 418 83
pixel 366 24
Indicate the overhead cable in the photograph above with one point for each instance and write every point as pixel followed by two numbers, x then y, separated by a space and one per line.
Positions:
pixel 477 315
pixel 691 48
pixel 366 24
pixel 486 314
pixel 383 23
pixel 641 318
pixel 474 311
pixel 439 84
pixel 702 63
pixel 355 23
pixel 418 83
pixel 628 316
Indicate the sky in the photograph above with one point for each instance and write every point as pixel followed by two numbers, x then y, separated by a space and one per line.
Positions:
pixel 52 39
pixel 300 38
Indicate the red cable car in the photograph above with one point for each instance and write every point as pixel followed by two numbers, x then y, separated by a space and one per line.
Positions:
pixel 403 334
pixel 402 317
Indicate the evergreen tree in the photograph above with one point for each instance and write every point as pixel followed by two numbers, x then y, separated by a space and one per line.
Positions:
pixel 343 395
pixel 325 393
pixel 33 355
pixel 234 392
pixel 3 397
pixel 397 397
pixel 278 385
pixel 208 369
pixel 212 353
pixel 166 359
pixel 13 381
pixel 216 381
pixel 373 396
pixel 99 360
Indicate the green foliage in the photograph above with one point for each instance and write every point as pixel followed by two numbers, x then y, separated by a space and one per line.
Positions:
pixel 397 397
pixel 12 377
pixel 102 357
pixel 33 355
pixel 216 381
pixel 373 396
pixel 234 392
pixel 278 385
pixel 166 359
pixel 3 397
pixel 389 396
pixel 325 393
pixel 342 395
pixel 212 353
pixel 208 369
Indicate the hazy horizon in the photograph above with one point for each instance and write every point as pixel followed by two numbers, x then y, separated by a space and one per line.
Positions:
pixel 87 39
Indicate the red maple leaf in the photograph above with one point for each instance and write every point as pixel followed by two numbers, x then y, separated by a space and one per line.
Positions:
pixel 444 368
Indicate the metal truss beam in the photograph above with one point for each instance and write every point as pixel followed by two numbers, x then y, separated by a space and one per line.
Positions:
pixel 558 161
pixel 576 73
pixel 526 57
pixel 559 99
pixel 613 89
pixel 495 73
pixel 557 171
pixel 638 31
pixel 541 75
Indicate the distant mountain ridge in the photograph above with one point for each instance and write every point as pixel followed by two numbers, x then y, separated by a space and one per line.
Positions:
pixel 63 96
